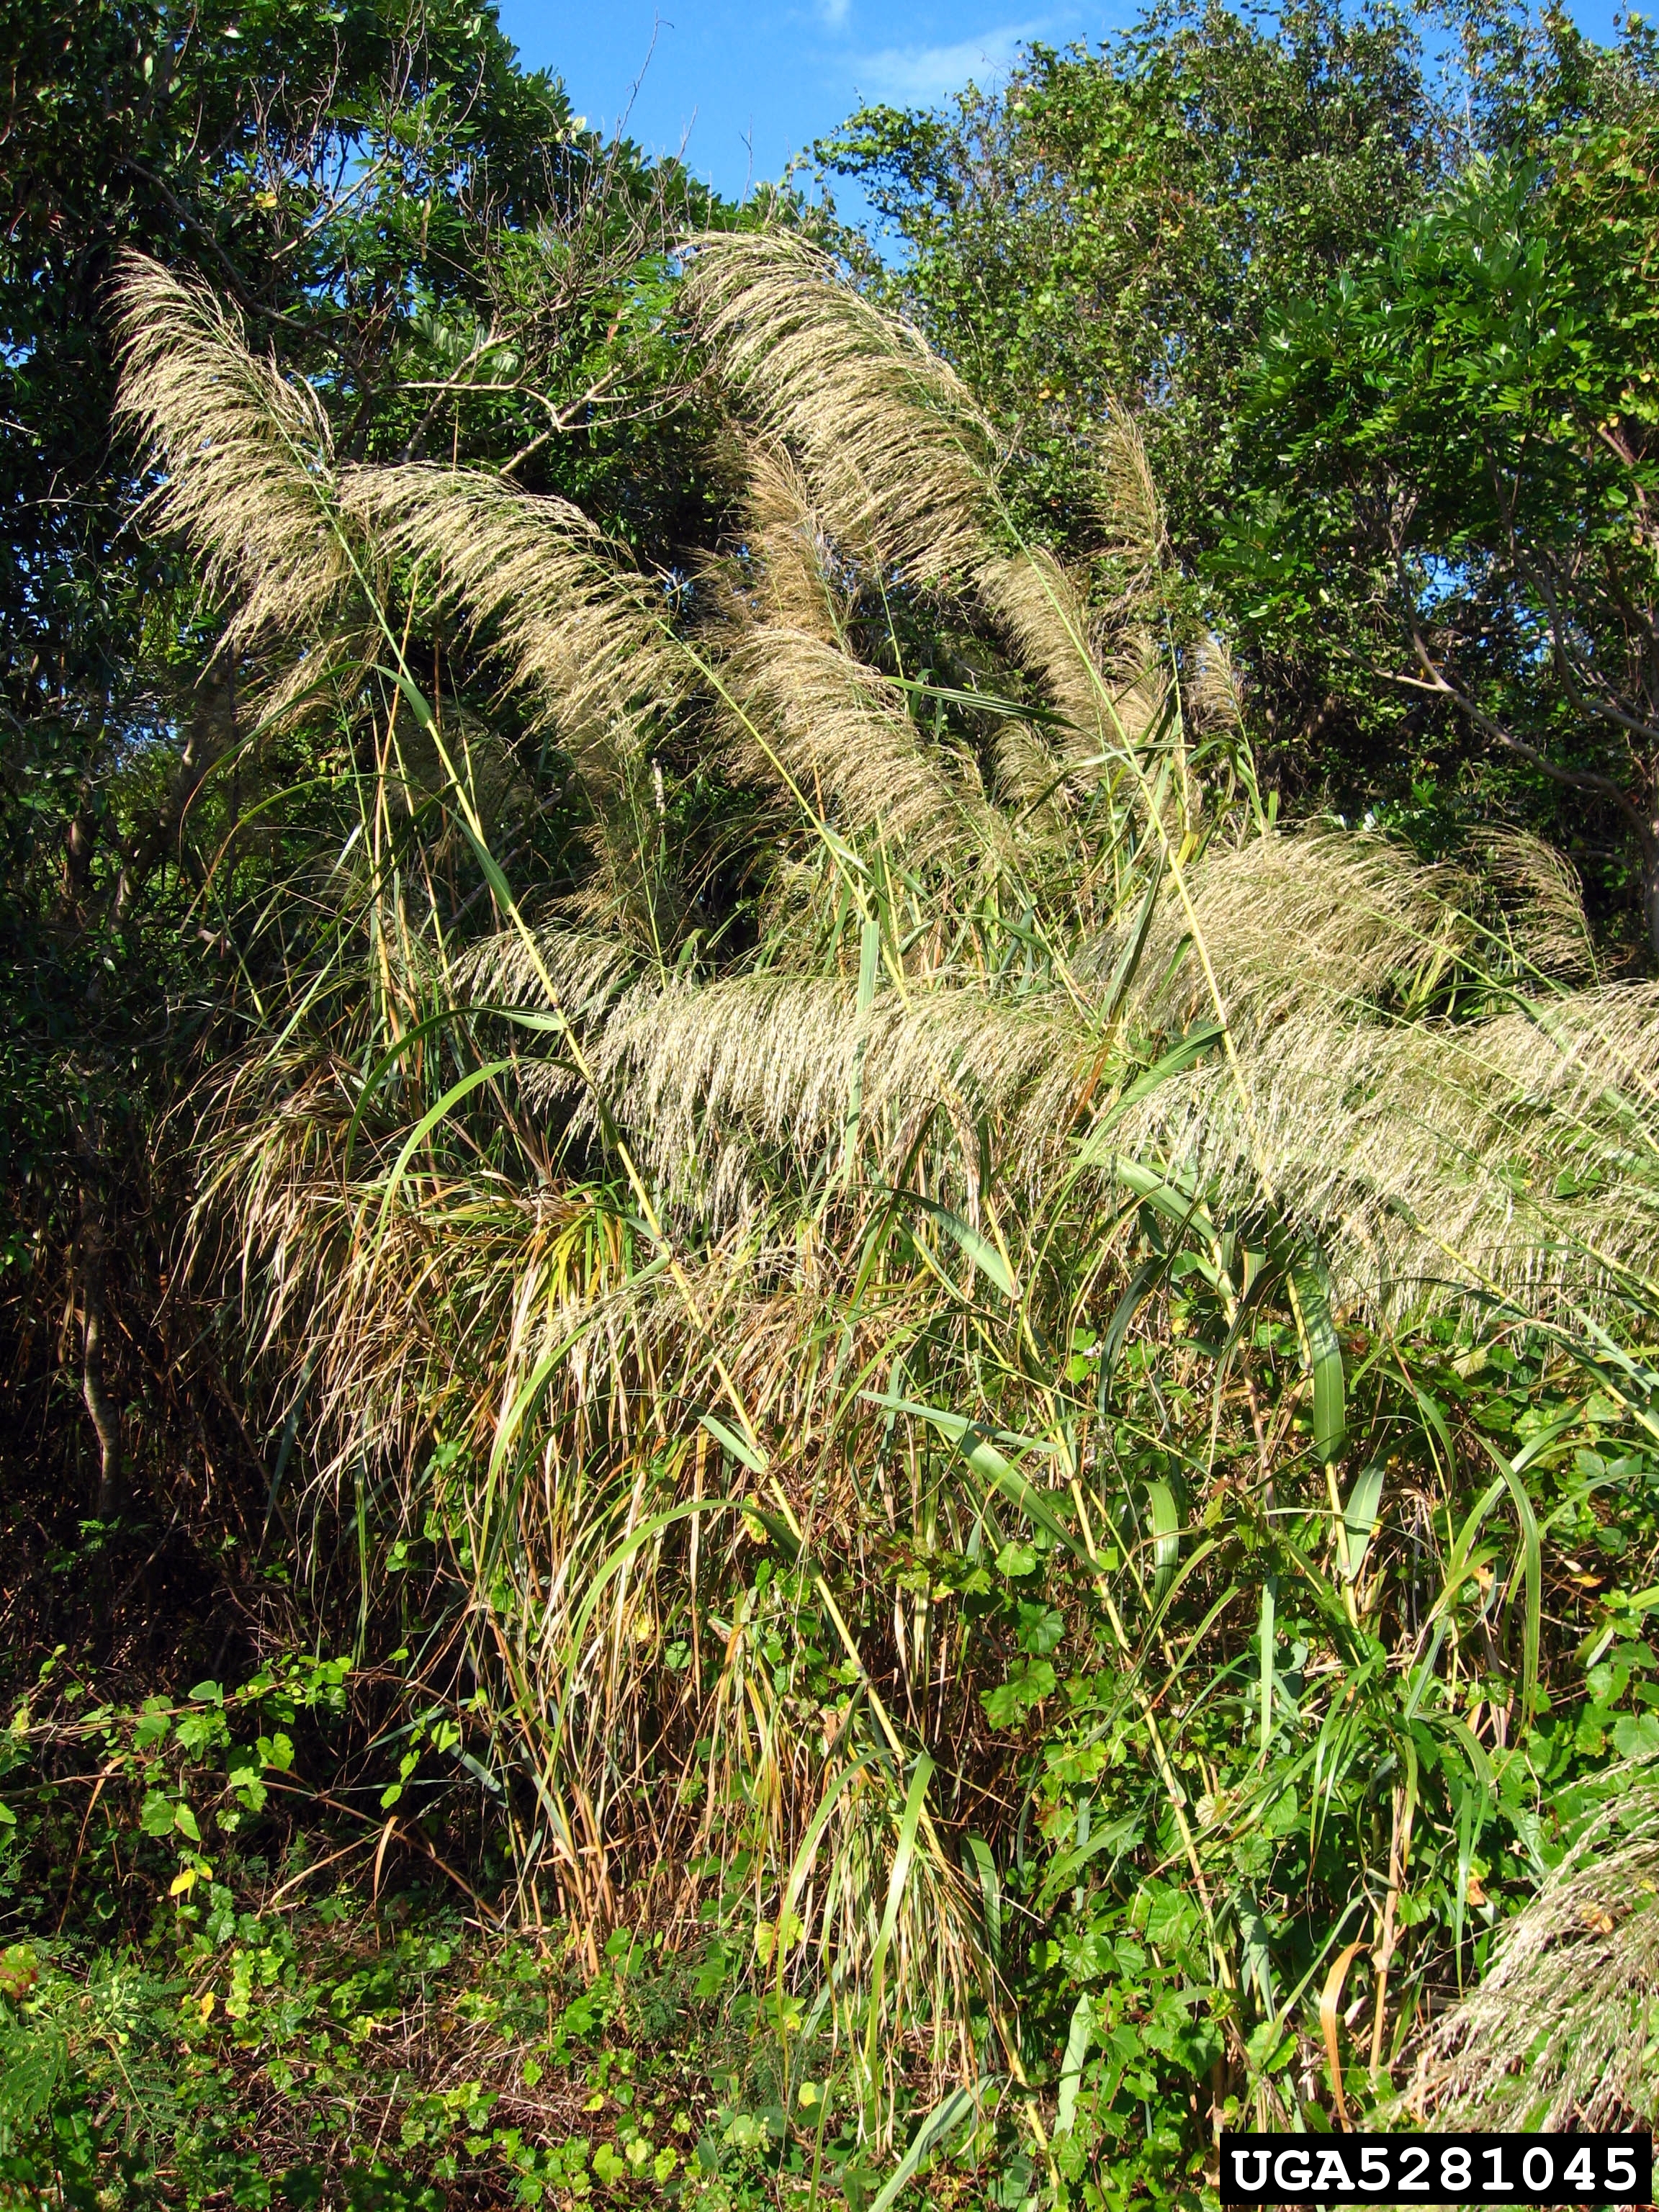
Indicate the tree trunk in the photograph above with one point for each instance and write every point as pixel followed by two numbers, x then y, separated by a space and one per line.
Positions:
pixel 104 1419
pixel 211 729
pixel 1651 889
pixel 77 865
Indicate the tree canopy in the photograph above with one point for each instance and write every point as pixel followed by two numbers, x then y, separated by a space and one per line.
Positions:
pixel 1464 427
pixel 1245 231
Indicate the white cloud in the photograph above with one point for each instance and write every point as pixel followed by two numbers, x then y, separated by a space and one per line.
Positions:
pixel 922 76
pixel 835 13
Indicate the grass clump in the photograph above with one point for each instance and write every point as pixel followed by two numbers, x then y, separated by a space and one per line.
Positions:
pixel 939 1387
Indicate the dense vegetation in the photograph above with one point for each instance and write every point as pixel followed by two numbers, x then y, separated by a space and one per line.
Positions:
pixel 805 1403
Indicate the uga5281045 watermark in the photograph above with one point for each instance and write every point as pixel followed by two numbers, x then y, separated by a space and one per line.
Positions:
pixel 1448 2169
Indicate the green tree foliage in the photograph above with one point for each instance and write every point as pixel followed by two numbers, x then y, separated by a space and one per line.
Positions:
pixel 1455 472
pixel 333 170
pixel 1135 223
pixel 1118 224
pixel 405 218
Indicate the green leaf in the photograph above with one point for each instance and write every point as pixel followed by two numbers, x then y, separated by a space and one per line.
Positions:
pixel 1166 1536
pixel 1533 1577
pixel 1145 1280
pixel 1134 945
pixel 428 1122
pixel 1359 1514
pixel 1007 1704
pixel 185 1820
pixel 990 1890
pixel 987 1462
pixel 938 2124
pixel 1092 1152
pixel 869 962
pixel 1117 1838
pixel 151 1729
pixel 983 1254
pixel 1268 1660
pixel 915 1801
pixel 156 1817
pixel 1635 1736
pixel 1311 1301
pixel 1163 1196
pixel 1041 1628
pixel 415 1035
pixel 746 1453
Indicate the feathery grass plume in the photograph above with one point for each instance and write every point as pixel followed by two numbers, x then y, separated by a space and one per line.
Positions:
pixel 244 453
pixel 326 674
pixel 838 732
pixel 1433 1156
pixel 436 1329
pixel 484 763
pixel 1100 668
pixel 1542 904
pixel 899 460
pixel 1328 916
pixel 1506 1149
pixel 588 972
pixel 1048 629
pixel 1562 2030
pixel 1213 694
pixel 570 624
pixel 802 711
pixel 373 1295
pixel 743 1079
pixel 792 565
pixel 567 620
pixel 1130 512
pixel 1043 613
pixel 1027 776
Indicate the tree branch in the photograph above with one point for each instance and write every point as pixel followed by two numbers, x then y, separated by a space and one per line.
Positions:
pixel 1575 779
pixel 197 228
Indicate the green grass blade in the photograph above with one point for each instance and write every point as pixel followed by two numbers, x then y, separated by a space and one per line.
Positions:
pixel 914 1802
pixel 940 2123
pixel 1269 1601
pixel 734 1443
pixel 990 1890
pixel 983 1254
pixel 1533 1573
pixel 1166 1537
pixel 1071 2065
pixel 428 1122
pixel 1311 1298
pixel 1360 1513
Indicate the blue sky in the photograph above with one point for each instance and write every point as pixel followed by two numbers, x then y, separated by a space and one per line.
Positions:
pixel 744 87
pixel 725 76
